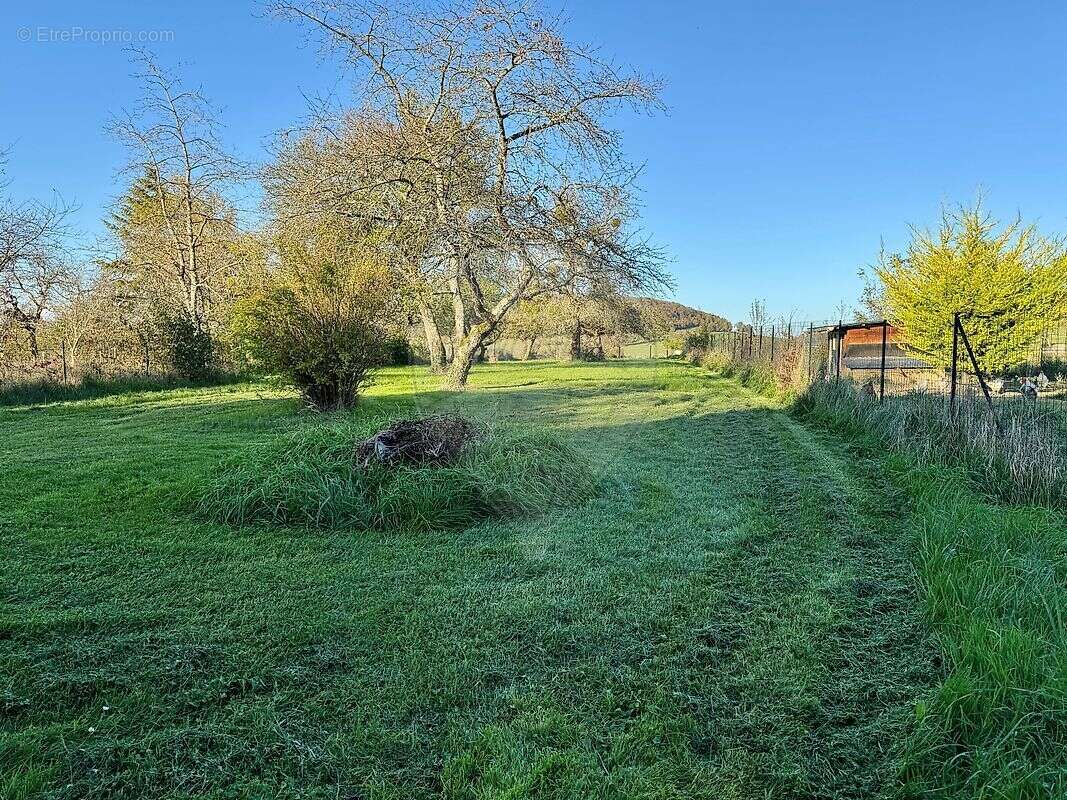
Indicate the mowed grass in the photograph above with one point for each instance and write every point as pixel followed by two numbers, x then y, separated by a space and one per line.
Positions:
pixel 739 615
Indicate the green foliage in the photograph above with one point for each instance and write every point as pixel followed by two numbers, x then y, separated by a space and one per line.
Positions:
pixel 322 318
pixel 760 376
pixel 1009 285
pixel 312 478
pixel 398 351
pixel 714 360
pixel 190 349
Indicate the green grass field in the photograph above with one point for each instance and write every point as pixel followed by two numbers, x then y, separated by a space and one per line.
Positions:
pixel 749 609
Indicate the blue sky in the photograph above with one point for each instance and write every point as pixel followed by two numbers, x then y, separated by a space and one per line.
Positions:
pixel 799 136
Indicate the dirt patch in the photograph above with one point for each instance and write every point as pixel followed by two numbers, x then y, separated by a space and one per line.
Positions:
pixel 430 441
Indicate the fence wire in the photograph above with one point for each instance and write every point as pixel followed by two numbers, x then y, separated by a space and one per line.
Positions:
pixel 1024 371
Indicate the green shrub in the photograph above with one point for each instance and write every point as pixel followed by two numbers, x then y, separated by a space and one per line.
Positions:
pixel 759 376
pixel 311 478
pixel 715 360
pixel 322 316
pixel 1009 283
pixel 190 348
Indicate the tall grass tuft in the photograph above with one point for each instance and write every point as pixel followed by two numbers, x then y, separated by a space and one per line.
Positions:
pixel 760 376
pixel 43 391
pixel 992 579
pixel 1018 453
pixel 312 478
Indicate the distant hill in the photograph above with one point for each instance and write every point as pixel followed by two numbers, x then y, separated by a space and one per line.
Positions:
pixel 681 316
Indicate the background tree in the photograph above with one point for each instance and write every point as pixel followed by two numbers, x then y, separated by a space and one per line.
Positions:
pixel 681 316
pixel 175 228
pixel 655 324
pixel 76 323
pixel 532 320
pixel 500 126
pixel 1009 283
pixel 34 264
pixel 362 168
pixel 757 314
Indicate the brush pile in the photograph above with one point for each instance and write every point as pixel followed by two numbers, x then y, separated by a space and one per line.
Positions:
pixel 430 441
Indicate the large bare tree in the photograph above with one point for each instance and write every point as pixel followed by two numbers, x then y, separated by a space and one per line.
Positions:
pixel 175 226
pixel 497 154
pixel 33 263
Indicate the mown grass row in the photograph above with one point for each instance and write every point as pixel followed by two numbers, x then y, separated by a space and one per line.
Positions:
pixel 1017 453
pixel 990 552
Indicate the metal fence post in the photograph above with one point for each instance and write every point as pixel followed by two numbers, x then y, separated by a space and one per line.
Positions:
pixel 840 347
pixel 977 369
pixel 955 358
pixel 811 340
pixel 881 382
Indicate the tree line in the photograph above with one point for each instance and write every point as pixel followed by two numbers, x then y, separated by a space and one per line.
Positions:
pixel 476 191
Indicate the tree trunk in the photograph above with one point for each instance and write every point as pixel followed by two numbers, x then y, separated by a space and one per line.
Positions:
pixel 576 342
pixel 459 311
pixel 35 349
pixel 465 354
pixel 463 359
pixel 529 348
pixel 147 359
pixel 434 344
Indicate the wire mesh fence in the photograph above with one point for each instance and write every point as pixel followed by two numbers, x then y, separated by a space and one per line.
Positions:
pixel 990 362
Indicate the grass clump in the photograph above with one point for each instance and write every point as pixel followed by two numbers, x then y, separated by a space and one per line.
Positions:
pixel 759 376
pixel 1017 454
pixel 315 477
pixel 46 390
pixel 996 726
